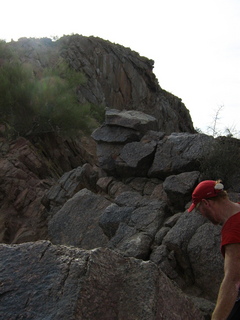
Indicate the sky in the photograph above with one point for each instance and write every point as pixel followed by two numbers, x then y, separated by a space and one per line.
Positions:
pixel 195 44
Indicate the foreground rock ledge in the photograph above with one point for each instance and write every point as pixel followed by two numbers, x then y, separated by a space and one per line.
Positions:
pixel 42 281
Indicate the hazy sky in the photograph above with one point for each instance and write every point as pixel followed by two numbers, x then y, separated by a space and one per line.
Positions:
pixel 195 44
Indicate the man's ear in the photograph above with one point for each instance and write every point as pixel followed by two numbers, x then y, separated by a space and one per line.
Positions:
pixel 206 202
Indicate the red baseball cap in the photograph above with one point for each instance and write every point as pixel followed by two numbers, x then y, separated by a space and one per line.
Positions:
pixel 204 190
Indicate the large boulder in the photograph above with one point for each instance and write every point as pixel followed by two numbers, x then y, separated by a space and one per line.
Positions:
pixel 188 251
pixel 76 223
pixel 180 152
pixel 179 188
pixel 43 281
pixel 206 260
pixel 135 158
pixel 136 120
pixel 115 134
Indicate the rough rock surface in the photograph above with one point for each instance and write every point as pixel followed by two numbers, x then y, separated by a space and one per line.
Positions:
pixel 27 171
pixel 42 281
pixel 116 77
pixel 76 223
pixel 148 153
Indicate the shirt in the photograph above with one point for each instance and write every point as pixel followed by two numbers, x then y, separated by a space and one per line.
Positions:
pixel 230 231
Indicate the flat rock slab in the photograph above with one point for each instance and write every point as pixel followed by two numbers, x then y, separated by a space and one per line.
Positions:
pixel 42 281
pixel 131 119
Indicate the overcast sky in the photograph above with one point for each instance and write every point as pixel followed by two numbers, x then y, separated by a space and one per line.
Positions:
pixel 195 44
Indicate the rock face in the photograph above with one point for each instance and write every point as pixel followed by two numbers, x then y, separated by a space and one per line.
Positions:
pixel 27 171
pixel 116 77
pixel 42 281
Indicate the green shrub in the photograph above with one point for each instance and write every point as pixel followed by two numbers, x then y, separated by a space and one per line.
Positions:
pixel 33 103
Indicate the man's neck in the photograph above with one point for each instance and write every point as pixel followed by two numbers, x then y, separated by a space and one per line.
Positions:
pixel 228 209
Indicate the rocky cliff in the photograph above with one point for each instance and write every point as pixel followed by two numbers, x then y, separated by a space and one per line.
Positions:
pixel 116 77
pixel 97 228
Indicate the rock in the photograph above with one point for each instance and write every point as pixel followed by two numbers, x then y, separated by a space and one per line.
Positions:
pixel 119 151
pixel 107 154
pixel 118 187
pixel 134 159
pixel 204 305
pixel 136 120
pixel 180 152
pixel 130 198
pixel 149 218
pixel 76 223
pixel 155 155
pixel 179 188
pixel 177 240
pixel 23 182
pixel 170 222
pixel 137 245
pixel 103 183
pixel 134 234
pixel 143 186
pixel 166 262
pixel 206 260
pixel 27 171
pixel 160 235
pixel 112 217
pixel 114 134
pixel 153 136
pixel 70 183
pixel 43 281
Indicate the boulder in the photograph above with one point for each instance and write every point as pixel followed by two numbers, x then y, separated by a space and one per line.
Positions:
pixel 179 188
pixel 135 158
pixel 70 183
pixel 134 229
pixel 178 237
pixel 195 243
pixel 115 134
pixel 112 217
pixel 133 119
pixel 76 223
pixel 131 198
pixel 43 281
pixel 180 152
pixel 107 153
pixel 206 260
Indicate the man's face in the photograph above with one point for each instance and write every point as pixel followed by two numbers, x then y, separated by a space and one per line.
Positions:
pixel 206 209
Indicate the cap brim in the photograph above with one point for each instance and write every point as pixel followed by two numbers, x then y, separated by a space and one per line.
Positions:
pixel 192 206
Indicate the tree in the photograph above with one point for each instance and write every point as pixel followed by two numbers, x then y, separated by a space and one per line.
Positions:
pixel 213 127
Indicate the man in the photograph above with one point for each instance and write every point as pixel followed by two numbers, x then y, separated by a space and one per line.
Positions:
pixel 211 201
